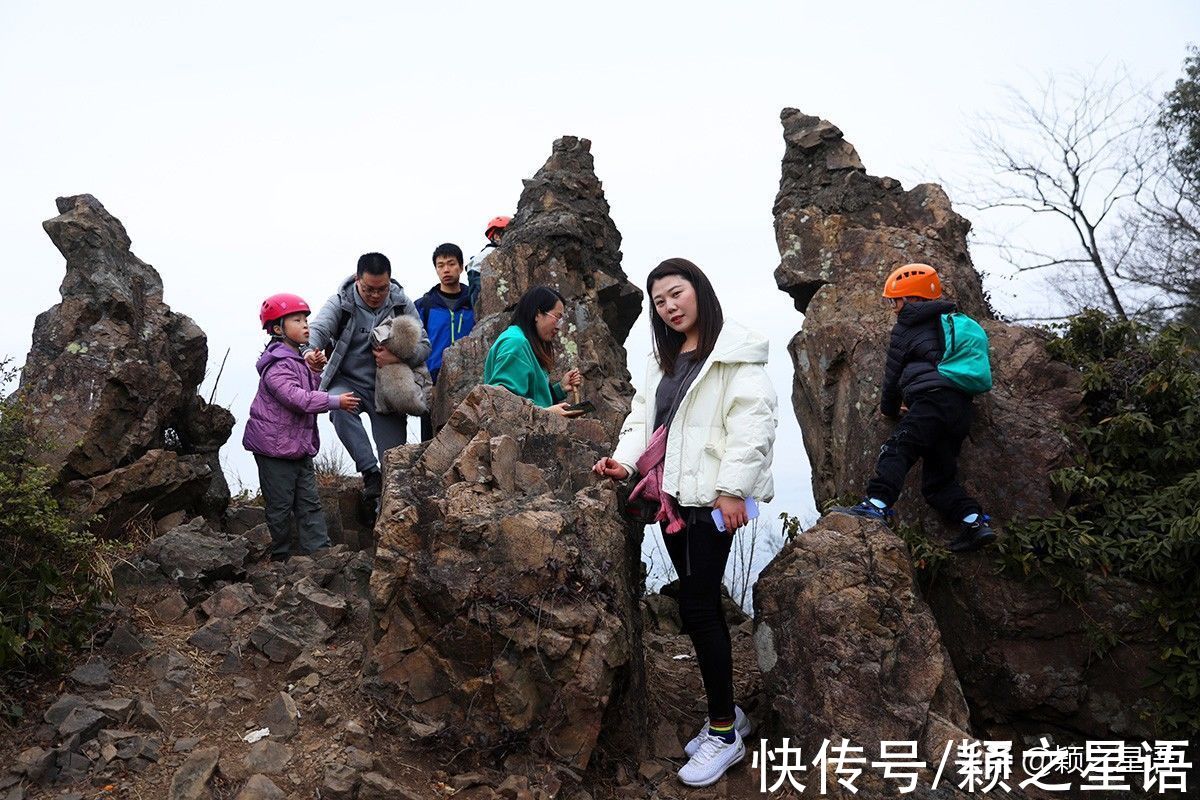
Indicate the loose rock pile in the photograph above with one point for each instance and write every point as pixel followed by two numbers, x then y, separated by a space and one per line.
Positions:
pixel 216 615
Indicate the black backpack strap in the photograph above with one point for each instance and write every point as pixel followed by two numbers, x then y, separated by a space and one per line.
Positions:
pixel 343 321
pixel 347 314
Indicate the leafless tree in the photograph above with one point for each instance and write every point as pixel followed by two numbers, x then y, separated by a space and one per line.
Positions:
pixel 1077 150
pixel 1159 244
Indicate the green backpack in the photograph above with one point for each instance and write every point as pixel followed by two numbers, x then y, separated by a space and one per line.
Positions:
pixel 965 361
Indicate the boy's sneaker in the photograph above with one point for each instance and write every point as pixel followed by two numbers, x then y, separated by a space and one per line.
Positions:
pixel 741 724
pixel 868 510
pixel 974 535
pixel 712 758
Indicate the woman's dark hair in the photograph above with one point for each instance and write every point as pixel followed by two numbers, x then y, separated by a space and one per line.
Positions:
pixel 667 341
pixel 537 300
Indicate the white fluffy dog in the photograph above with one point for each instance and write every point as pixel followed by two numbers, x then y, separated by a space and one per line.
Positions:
pixel 400 388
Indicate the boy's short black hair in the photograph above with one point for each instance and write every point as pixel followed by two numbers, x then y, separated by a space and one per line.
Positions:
pixel 375 264
pixel 448 249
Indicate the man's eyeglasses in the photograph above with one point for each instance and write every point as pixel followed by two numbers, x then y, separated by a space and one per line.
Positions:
pixel 374 291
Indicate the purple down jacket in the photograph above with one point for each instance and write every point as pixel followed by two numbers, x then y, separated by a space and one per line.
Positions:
pixel 283 421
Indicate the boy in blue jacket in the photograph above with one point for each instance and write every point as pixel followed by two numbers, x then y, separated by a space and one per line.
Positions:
pixel 446 313
pixel 934 414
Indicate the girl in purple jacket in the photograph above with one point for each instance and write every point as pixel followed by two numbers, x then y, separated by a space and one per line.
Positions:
pixel 282 429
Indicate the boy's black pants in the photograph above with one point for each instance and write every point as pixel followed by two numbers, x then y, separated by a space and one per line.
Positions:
pixel 699 553
pixel 933 430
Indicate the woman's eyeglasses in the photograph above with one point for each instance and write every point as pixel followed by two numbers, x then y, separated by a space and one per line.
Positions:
pixel 558 318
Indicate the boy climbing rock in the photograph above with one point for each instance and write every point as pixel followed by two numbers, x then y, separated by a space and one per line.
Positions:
pixel 936 362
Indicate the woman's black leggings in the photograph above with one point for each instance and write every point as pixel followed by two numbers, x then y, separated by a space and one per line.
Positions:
pixel 699 553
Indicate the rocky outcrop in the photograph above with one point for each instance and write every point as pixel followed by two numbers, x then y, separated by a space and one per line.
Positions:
pixel 110 382
pixel 840 232
pixel 562 236
pixel 848 648
pixel 504 594
pixel 1027 660
pixel 506 583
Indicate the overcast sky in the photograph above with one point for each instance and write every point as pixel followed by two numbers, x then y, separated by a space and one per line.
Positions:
pixel 253 148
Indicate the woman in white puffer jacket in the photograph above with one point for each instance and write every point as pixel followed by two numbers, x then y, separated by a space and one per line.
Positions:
pixel 700 437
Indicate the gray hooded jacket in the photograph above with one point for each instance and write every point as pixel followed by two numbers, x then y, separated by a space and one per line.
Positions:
pixel 334 324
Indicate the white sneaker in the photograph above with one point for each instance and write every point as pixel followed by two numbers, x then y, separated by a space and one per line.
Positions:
pixel 741 724
pixel 713 757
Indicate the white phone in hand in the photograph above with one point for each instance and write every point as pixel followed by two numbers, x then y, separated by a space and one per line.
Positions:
pixel 751 513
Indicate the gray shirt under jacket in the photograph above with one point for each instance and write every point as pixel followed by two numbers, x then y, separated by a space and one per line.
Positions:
pixel 672 388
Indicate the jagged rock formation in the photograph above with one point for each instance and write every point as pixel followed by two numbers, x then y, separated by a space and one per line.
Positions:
pixel 840 232
pixel 562 236
pixel 848 648
pixel 505 588
pixel 1027 660
pixel 111 381
pixel 506 584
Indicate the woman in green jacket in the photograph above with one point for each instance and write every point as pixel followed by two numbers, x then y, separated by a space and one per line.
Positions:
pixel 523 355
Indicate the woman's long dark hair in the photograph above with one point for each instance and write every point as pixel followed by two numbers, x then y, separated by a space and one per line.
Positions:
pixel 537 300
pixel 667 341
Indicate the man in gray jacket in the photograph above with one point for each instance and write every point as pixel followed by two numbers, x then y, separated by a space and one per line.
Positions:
pixel 364 301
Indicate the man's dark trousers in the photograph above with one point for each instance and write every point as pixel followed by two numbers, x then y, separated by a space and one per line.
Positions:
pixel 427 418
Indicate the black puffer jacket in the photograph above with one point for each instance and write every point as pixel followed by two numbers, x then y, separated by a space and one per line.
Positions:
pixel 914 353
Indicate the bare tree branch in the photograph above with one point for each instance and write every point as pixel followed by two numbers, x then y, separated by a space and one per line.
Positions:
pixel 1076 149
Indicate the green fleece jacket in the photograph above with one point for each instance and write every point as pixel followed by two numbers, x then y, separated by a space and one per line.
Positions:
pixel 511 364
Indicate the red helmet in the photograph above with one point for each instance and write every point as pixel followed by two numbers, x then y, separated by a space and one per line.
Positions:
pixel 496 224
pixel 280 305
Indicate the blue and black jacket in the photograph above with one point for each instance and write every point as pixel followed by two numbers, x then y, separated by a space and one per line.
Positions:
pixel 446 320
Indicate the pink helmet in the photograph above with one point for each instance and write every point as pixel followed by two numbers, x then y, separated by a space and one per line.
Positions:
pixel 280 305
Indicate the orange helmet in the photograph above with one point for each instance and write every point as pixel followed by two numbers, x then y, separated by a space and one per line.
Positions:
pixel 496 224
pixel 913 280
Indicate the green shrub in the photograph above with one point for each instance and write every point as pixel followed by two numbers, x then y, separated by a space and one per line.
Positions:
pixel 51 577
pixel 1133 495
pixel 928 555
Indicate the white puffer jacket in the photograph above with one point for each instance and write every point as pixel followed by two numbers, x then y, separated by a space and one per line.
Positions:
pixel 721 439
